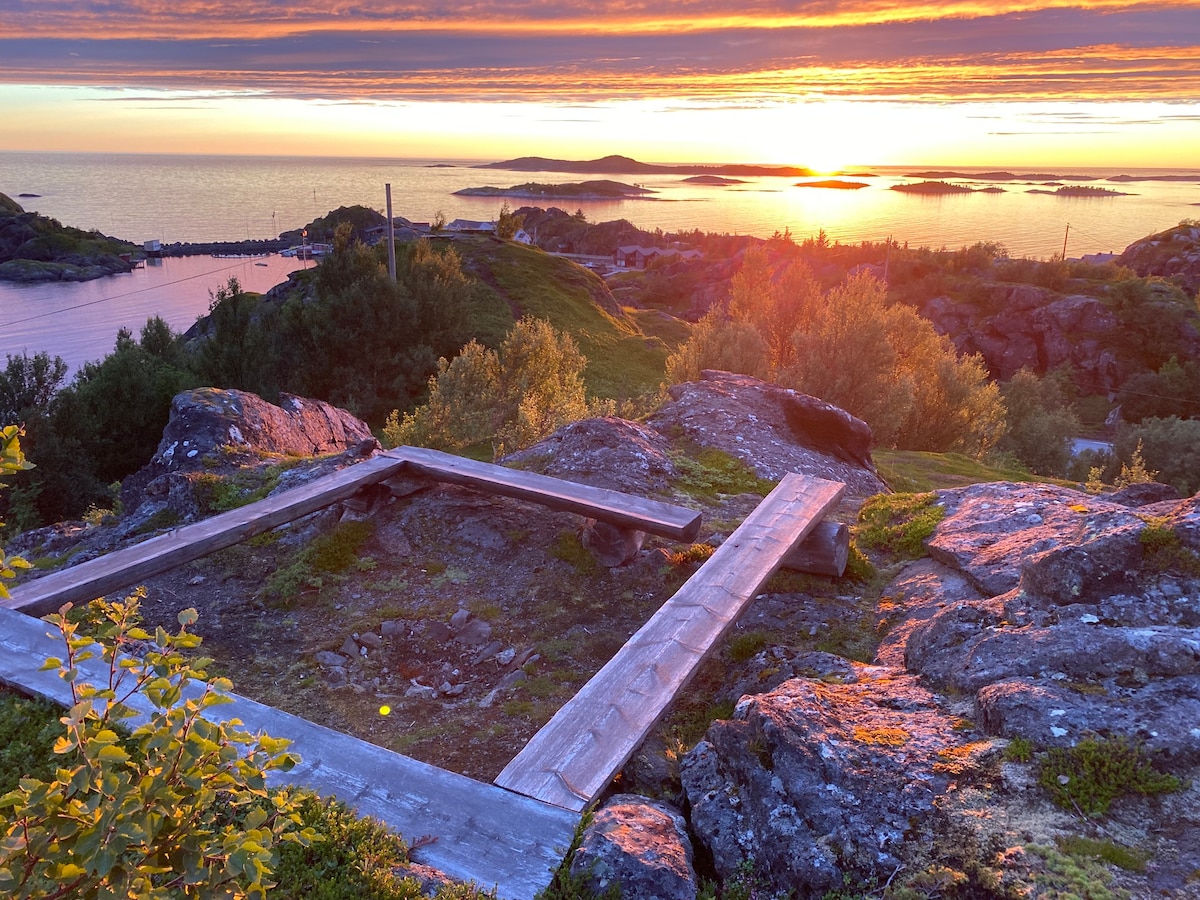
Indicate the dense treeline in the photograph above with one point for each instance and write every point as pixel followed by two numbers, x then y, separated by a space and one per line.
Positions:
pixel 349 335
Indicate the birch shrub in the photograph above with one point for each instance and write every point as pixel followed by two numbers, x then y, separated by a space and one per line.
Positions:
pixel 173 805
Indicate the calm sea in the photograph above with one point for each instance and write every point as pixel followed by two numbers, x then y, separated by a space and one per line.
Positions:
pixel 207 198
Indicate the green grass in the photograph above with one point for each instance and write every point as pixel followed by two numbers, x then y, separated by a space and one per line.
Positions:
pixel 705 473
pixel 915 471
pixel 622 361
pixel 1128 858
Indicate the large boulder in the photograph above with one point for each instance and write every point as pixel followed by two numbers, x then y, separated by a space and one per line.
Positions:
pixel 210 429
pixel 773 430
pixel 641 845
pixel 605 452
pixel 816 782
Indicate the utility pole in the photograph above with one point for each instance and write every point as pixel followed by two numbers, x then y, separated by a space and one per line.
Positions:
pixel 391 234
pixel 1064 255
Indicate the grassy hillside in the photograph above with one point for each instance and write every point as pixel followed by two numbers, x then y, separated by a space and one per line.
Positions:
pixel 917 470
pixel 623 360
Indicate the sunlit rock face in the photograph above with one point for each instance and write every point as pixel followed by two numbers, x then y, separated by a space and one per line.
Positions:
pixel 641 845
pixel 216 430
pixel 1072 624
pixel 1174 253
pixel 815 781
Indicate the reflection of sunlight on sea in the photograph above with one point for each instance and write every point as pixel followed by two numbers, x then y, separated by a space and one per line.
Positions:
pixel 79 321
pixel 198 198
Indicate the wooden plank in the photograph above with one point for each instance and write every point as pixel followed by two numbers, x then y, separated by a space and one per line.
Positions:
pixel 615 507
pixel 577 753
pixel 483 833
pixel 114 571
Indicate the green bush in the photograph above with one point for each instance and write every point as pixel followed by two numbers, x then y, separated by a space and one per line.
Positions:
pixel 1091 775
pixel 899 523
pixel 174 806
pixel 1170 446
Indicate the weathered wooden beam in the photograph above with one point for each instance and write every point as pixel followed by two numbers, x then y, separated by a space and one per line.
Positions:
pixel 577 753
pixel 614 507
pixel 481 833
pixel 824 552
pixel 114 571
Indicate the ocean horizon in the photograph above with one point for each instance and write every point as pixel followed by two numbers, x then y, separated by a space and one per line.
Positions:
pixel 192 198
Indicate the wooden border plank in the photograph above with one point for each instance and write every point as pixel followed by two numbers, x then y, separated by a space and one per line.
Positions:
pixel 114 571
pixel 483 833
pixel 577 753
pixel 625 510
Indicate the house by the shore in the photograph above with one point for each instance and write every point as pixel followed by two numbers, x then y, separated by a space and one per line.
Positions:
pixel 634 256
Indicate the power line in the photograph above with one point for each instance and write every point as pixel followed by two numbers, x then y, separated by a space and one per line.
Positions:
pixel 155 287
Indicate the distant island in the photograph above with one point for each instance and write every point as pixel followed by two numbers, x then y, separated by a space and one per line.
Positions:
pixel 584 190
pixel 623 165
pixel 932 187
pixel 712 179
pixel 999 176
pixel 1082 191
pixel 1042 177
pixel 834 183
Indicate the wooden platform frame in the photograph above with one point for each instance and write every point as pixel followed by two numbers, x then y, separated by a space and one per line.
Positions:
pixel 516 830
pixel 571 760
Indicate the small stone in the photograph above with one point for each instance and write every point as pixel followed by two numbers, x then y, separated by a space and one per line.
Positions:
pixel 392 628
pixel 454 690
pixel 504 657
pixel 370 639
pixel 329 658
pixel 487 653
pixel 1089 619
pixel 196 580
pixel 474 633
pixel 335 676
pixel 460 617
pixel 437 632
pixel 349 647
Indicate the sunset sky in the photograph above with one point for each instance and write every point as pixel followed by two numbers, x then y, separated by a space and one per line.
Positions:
pixel 826 83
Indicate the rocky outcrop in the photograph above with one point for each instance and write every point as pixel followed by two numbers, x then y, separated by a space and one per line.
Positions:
pixel 814 781
pixel 35 248
pixel 1069 623
pixel 640 845
pixel 210 428
pixel 1023 326
pixel 605 452
pixel 1174 254
pixel 771 429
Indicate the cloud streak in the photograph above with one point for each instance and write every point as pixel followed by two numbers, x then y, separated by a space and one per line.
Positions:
pixel 563 51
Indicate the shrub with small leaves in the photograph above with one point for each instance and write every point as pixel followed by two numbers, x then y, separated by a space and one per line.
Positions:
pixel 1091 775
pixel 159 804
pixel 899 523
pixel 11 460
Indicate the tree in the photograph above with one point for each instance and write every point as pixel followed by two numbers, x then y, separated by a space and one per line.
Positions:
pixel 719 344
pixel 1040 422
pixel 776 304
pixel 28 384
pixel 513 396
pixel 887 365
pixel 508 223
pixel 234 353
